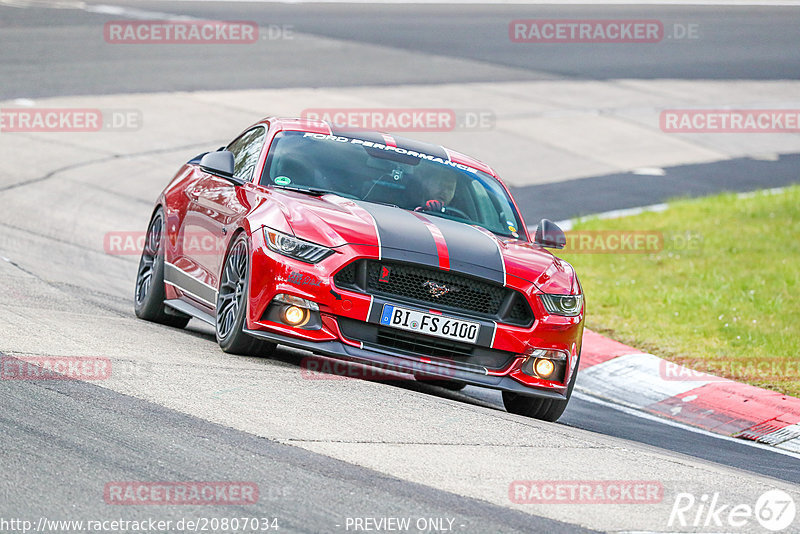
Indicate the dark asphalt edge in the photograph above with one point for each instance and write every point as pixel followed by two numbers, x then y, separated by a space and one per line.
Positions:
pixel 582 197
pixel 635 425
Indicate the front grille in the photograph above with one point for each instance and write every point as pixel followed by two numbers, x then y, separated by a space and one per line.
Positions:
pixel 412 283
pixel 520 312
pixel 347 276
pixel 414 344
pixel 409 281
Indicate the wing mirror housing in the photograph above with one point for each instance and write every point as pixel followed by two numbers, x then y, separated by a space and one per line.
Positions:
pixel 549 235
pixel 220 164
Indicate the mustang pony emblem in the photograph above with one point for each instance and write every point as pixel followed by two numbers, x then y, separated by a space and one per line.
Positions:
pixel 436 290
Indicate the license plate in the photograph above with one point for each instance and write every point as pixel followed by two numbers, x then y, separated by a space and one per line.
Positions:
pixel 430 324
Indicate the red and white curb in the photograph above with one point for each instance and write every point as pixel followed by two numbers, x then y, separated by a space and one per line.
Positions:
pixel 630 377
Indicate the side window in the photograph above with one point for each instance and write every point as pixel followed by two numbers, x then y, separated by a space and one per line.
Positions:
pixel 246 150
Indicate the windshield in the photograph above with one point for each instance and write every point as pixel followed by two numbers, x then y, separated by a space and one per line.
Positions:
pixel 362 170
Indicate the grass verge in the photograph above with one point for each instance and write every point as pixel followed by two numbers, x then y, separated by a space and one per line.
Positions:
pixel 710 283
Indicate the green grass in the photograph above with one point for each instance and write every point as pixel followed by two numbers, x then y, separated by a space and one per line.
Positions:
pixel 729 304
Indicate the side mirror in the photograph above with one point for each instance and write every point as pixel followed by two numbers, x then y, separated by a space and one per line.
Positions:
pixel 548 234
pixel 220 164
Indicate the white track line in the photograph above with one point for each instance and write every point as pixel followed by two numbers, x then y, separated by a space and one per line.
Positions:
pixel 650 417
pixel 626 212
pixel 613 214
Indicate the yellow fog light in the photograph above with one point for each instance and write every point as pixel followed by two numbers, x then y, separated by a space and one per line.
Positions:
pixel 544 368
pixel 295 316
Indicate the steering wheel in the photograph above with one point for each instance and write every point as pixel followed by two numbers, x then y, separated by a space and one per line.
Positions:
pixel 455 211
pixel 432 206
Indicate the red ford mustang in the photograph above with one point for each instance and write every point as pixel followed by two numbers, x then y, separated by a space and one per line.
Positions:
pixel 371 248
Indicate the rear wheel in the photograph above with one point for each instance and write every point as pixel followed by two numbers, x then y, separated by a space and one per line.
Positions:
pixel 232 304
pixel 544 409
pixel 150 294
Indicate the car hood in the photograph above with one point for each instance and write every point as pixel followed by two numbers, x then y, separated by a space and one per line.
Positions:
pixel 537 265
pixel 402 235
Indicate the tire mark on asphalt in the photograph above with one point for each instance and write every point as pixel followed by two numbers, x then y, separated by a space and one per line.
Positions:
pixel 105 159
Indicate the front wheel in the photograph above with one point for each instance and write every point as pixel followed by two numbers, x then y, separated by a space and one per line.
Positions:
pixel 232 304
pixel 544 409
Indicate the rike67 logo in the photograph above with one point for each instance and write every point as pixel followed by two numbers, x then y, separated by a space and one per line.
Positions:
pixel 774 510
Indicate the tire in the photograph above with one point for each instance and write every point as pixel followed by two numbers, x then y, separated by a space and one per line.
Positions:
pixel 232 303
pixel 538 408
pixel 149 294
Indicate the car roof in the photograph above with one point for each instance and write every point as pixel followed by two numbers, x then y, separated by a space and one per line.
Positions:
pixel 323 127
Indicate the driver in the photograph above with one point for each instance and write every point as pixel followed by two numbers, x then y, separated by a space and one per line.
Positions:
pixel 439 191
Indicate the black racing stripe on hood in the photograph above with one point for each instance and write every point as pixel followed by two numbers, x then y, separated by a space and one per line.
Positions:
pixel 403 236
pixel 419 146
pixel 471 250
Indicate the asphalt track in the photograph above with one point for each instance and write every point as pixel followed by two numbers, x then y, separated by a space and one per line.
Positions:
pixel 745 42
pixel 600 194
pixel 321 452
pixel 88 436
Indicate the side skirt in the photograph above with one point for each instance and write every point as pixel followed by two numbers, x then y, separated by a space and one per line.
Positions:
pixel 188 309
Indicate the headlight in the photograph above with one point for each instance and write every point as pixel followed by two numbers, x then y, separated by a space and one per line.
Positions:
pixel 567 305
pixel 295 248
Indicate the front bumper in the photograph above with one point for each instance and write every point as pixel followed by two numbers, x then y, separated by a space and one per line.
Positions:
pixel 499 350
pixel 406 364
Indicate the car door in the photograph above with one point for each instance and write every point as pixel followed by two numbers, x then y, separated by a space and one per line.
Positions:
pixel 215 206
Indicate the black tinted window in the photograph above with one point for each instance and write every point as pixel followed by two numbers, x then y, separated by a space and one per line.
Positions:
pixel 246 150
pixel 371 172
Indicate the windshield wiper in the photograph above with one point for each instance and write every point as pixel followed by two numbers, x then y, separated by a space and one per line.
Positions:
pixel 377 202
pixel 309 190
